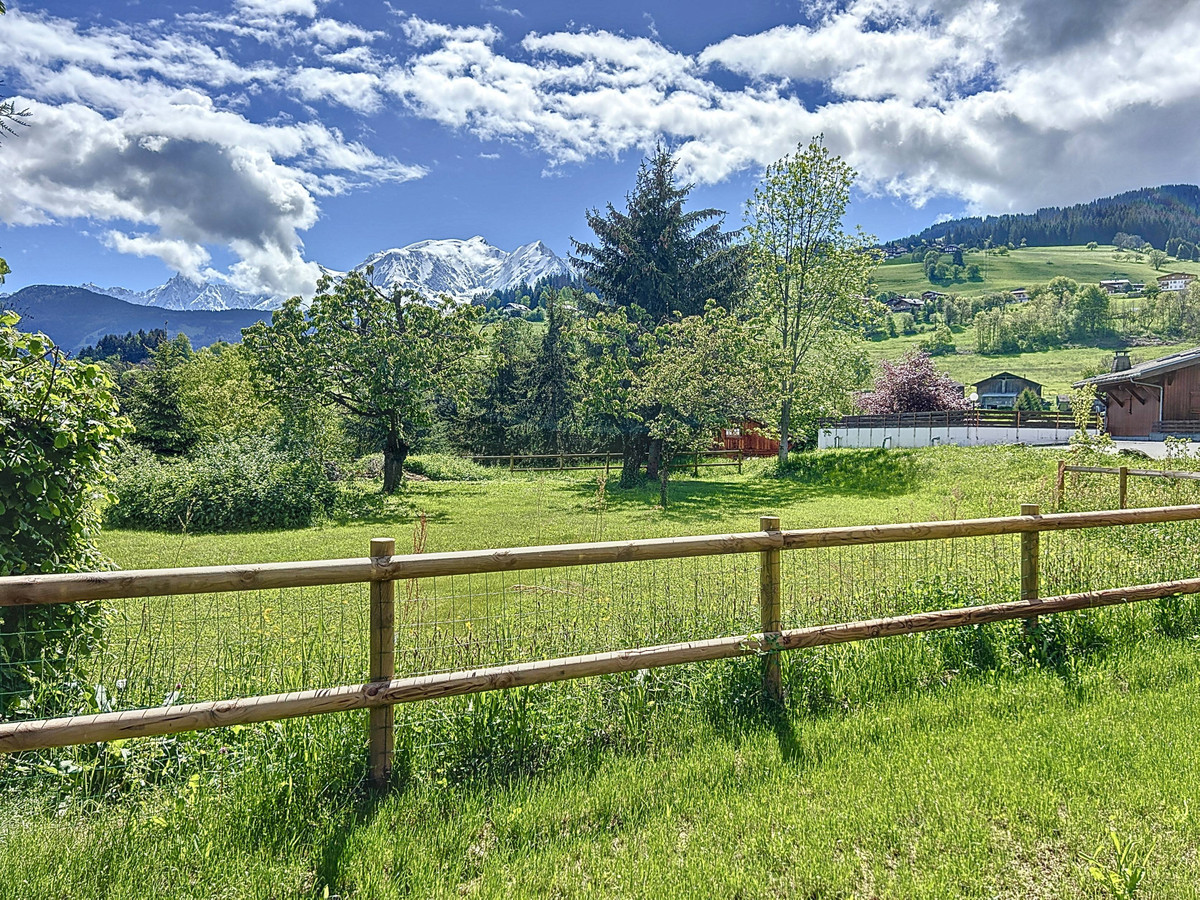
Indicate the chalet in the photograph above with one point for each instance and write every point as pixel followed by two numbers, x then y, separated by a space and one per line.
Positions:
pixel 1020 294
pixel 514 309
pixel 1176 281
pixel 933 296
pixel 1116 286
pixel 1152 400
pixel 904 304
pixel 1000 391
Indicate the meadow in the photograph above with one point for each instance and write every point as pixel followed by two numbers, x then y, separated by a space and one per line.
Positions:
pixel 1056 370
pixel 989 762
pixel 1026 267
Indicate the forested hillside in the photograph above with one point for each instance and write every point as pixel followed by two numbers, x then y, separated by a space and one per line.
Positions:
pixel 1156 215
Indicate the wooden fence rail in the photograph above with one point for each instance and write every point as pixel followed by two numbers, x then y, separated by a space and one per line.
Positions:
pixel 1123 474
pixel 382 568
pixel 515 461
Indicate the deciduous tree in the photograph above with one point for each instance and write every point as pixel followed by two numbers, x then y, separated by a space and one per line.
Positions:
pixel 912 384
pixel 59 432
pixel 805 269
pixel 381 356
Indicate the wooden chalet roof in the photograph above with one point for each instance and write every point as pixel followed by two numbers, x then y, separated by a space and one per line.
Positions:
pixel 1169 363
pixel 1006 375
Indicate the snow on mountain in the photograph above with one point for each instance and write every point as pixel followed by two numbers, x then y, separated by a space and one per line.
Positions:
pixel 183 293
pixel 462 268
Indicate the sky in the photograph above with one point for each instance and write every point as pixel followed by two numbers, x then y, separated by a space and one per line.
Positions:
pixel 249 140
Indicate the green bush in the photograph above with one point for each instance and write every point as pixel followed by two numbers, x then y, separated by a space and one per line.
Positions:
pixel 228 486
pixel 58 430
pixel 446 467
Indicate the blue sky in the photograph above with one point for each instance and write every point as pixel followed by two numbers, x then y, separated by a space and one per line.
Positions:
pixel 248 140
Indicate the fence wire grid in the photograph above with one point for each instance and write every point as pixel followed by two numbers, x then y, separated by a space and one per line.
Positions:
pixel 167 650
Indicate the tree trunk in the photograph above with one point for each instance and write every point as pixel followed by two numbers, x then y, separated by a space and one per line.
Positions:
pixel 663 473
pixel 654 458
pixel 633 452
pixel 785 423
pixel 395 452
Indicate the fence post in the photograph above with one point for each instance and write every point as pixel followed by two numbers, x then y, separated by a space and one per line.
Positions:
pixel 1123 474
pixel 739 460
pixel 770 610
pixel 1060 484
pixel 510 462
pixel 381 736
pixel 607 461
pixel 560 460
pixel 1029 561
pixel 696 464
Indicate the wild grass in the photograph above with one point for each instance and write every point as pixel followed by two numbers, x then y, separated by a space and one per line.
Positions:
pixel 980 762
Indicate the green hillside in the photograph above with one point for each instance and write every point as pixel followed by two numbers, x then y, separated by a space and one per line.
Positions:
pixel 1055 370
pixel 1024 268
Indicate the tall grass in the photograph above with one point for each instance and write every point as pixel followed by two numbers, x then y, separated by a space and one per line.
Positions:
pixel 986 761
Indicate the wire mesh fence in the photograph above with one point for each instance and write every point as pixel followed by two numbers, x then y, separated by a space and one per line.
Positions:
pixel 146 653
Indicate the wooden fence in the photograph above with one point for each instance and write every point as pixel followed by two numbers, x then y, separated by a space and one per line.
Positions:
pixel 972 418
pixel 584 462
pixel 1123 474
pixel 381 569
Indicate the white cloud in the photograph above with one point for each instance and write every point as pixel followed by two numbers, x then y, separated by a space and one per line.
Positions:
pixel 183 256
pixel 1005 106
pixel 334 33
pixel 356 90
pixel 129 133
pixel 421 32
pixel 307 8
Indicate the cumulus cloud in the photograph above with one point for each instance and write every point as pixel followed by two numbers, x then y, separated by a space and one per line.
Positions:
pixel 123 137
pixel 182 256
pixel 213 129
pixel 306 8
pixel 1006 106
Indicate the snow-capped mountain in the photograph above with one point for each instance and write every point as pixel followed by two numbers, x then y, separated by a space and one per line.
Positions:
pixel 183 293
pixel 463 268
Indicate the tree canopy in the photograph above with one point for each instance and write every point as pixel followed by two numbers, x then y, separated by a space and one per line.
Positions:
pixel 657 256
pixel 59 431
pixel 807 272
pixel 912 384
pixel 652 263
pixel 384 357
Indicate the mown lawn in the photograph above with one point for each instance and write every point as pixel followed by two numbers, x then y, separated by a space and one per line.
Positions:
pixel 978 763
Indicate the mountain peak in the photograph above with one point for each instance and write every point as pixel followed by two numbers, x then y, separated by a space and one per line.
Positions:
pixel 463 268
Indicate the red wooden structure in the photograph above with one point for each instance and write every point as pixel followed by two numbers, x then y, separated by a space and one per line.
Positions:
pixel 747 436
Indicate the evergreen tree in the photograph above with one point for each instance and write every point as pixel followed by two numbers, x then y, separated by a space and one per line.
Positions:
pixel 154 402
pixel 554 386
pixel 652 261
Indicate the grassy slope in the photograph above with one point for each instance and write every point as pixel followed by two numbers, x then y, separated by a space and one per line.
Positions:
pixel 1025 268
pixel 921 784
pixel 1055 370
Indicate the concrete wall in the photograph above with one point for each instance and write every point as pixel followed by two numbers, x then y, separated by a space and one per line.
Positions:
pixel 960 435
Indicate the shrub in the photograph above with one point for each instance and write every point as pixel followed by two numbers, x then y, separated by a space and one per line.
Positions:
pixel 227 486
pixel 446 467
pixel 58 429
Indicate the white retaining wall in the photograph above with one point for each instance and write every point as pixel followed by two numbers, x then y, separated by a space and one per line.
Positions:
pixel 928 436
